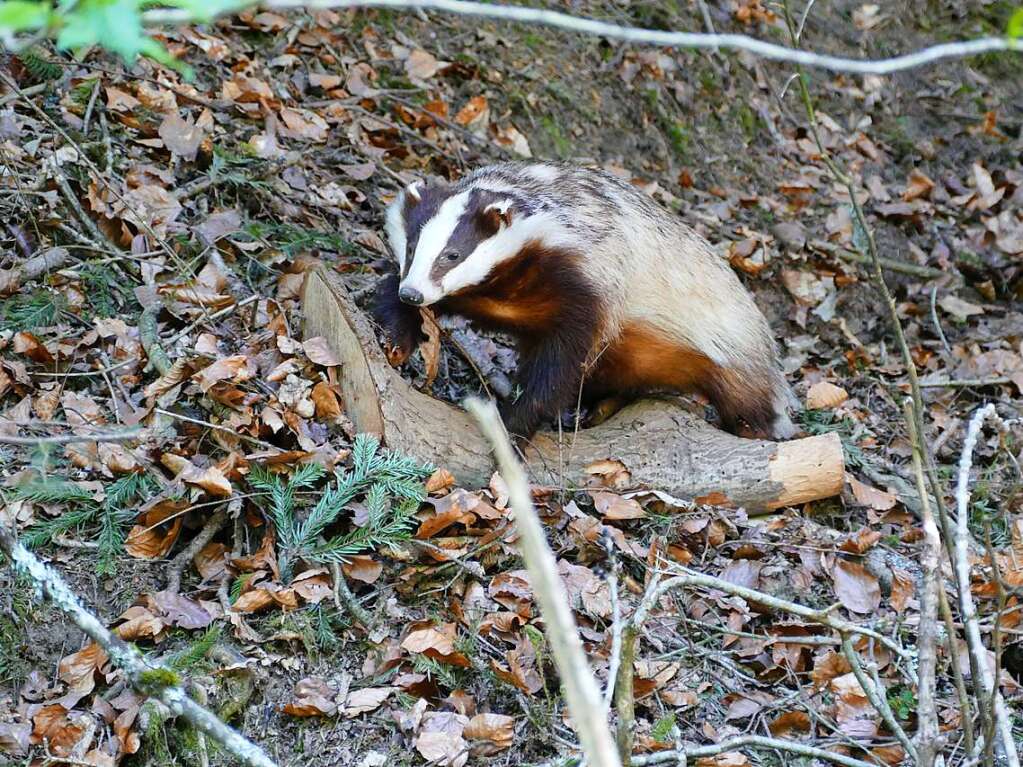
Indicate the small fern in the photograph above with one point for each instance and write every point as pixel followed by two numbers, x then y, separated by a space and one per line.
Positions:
pixel 185 659
pixel 392 486
pixel 39 66
pixel 32 310
pixel 112 514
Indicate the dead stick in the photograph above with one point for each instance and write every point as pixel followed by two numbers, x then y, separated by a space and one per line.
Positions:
pixel 753 741
pixel 149 680
pixel 581 690
pixel 968 610
pixel 928 743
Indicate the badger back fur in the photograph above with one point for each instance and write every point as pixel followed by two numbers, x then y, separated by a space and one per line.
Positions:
pixel 601 285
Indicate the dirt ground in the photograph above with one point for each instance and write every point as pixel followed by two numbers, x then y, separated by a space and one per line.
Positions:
pixel 303 127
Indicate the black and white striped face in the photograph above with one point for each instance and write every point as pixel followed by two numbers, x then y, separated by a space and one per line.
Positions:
pixel 447 240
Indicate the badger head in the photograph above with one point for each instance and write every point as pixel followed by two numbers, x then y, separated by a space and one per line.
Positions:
pixel 448 240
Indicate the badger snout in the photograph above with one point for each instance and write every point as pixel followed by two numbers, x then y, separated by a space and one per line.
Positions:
pixel 410 296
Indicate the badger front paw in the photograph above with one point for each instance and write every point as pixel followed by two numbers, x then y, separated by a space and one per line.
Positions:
pixel 520 420
pixel 401 323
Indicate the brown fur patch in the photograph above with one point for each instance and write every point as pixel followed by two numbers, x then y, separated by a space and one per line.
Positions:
pixel 642 359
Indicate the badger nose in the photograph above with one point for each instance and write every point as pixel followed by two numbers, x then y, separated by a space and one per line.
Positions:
pixel 410 296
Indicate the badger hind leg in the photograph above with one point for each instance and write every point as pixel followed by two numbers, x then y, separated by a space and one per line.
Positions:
pixel 752 404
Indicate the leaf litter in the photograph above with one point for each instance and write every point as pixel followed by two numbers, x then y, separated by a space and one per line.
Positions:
pixel 209 204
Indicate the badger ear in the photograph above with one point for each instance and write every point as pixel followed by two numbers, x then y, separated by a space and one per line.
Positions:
pixel 498 214
pixel 413 192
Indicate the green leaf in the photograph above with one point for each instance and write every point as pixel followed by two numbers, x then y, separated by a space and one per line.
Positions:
pixel 114 24
pixel 21 16
pixel 1015 28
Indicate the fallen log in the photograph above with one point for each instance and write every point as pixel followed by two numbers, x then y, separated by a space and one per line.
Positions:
pixel 658 442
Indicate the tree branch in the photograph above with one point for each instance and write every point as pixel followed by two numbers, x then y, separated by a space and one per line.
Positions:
pixel 564 21
pixel 751 741
pixel 149 680
pixel 581 691
pixel 978 652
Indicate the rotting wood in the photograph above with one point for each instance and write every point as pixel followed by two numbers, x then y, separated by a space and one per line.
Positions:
pixel 659 442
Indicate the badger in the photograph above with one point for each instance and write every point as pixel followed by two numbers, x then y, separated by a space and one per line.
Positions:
pixel 607 293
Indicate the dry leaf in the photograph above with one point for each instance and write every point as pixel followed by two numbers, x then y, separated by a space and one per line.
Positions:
pixel 614 507
pixel 318 351
pixel 856 588
pixel 312 697
pixel 497 732
pixel 476 110
pixel 363 567
pixel 958 308
pixel 919 185
pixel 871 497
pixel 211 479
pixel 78 672
pixel 181 137
pixel 235 369
pixel 903 589
pixel 430 348
pixel 788 723
pixel 366 699
pixel 823 395
pixel 440 739
pixel 149 539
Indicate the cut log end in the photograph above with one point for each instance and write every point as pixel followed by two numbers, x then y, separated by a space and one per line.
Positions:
pixel 660 444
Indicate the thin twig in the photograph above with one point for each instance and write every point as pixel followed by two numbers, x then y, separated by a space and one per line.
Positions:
pixel 964 383
pixel 877 696
pixel 31 90
pixel 218 427
pixel 967 608
pixel 928 743
pixel 122 435
pixel 751 741
pixel 581 691
pixel 660 38
pixel 147 679
pixel 345 599
pixel 824 617
pixel 177 565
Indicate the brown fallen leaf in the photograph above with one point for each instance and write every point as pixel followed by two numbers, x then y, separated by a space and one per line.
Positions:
pixel 59 728
pixel 149 539
pixel 440 739
pixel 919 185
pixel 312 697
pixel 182 137
pixel 211 479
pixel 493 733
pixel 365 700
pixel 871 497
pixel 856 588
pixel 78 671
pixel 613 507
pixel 363 567
pixel 236 369
pixel 824 395
pixel 319 352
pixel 476 110
pixel 791 721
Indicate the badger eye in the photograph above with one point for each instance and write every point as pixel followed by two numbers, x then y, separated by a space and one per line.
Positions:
pixel 450 256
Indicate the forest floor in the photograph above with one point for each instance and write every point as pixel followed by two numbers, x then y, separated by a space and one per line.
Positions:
pixel 156 232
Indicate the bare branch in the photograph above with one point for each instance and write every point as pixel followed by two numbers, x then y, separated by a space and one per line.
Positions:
pixel 824 617
pixel 968 610
pixel 581 690
pixel 122 435
pixel 558 20
pixel 750 741
pixel 928 739
pixel 147 679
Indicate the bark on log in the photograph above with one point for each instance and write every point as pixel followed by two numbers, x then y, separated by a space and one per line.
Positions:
pixel 661 444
